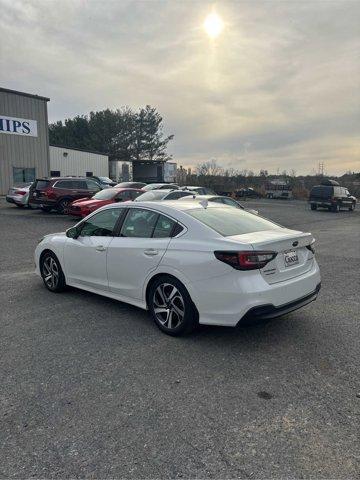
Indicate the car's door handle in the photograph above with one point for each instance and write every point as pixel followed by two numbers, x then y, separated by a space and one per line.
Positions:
pixel 150 252
pixel 100 248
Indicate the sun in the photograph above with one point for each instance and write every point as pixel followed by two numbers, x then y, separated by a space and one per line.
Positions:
pixel 213 25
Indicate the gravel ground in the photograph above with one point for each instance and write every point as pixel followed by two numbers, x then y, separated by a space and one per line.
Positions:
pixel 91 388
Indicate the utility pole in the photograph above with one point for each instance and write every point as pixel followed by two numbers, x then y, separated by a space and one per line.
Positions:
pixel 321 168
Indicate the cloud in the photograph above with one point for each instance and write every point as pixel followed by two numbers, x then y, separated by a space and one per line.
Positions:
pixel 278 89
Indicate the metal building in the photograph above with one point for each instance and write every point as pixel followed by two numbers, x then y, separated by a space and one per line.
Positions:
pixel 24 138
pixel 73 161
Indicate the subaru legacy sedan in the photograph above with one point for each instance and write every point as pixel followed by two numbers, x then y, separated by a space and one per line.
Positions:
pixel 186 262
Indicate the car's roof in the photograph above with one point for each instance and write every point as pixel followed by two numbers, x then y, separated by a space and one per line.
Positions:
pixel 180 204
pixel 62 178
pixel 202 197
pixel 160 190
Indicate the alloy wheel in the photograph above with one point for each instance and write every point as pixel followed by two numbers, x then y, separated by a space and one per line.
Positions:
pixel 169 306
pixel 64 207
pixel 50 272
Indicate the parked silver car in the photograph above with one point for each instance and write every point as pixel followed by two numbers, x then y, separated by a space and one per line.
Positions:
pixel 19 195
pixel 221 199
pixel 155 195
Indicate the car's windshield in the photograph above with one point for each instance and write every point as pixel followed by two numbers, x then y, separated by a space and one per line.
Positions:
pixel 106 194
pixel 152 186
pixel 232 221
pixel 105 179
pixel 151 195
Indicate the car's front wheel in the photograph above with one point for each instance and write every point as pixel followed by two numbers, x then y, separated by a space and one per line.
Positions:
pixel 171 306
pixel 51 273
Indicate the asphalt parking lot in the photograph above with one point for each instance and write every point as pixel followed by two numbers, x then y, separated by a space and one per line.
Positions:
pixel 91 388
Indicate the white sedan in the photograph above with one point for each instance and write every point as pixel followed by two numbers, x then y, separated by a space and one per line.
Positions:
pixel 184 261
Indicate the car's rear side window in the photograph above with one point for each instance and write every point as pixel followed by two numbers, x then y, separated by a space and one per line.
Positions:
pixel 232 221
pixel 42 184
pixel 68 184
pixel 164 227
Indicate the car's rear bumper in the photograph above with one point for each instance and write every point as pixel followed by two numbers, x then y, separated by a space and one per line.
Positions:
pixel 226 300
pixel 17 199
pixel 269 311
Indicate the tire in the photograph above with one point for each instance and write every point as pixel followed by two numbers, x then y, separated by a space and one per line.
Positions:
pixel 313 206
pixel 335 208
pixel 352 208
pixel 19 205
pixel 46 209
pixel 63 206
pixel 51 273
pixel 170 303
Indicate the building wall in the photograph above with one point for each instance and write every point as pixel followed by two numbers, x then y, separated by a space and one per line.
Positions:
pixel 69 161
pixel 18 150
pixel 170 169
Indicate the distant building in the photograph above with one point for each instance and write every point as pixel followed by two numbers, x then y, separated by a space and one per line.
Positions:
pixel 25 153
pixel 24 138
pixel 80 163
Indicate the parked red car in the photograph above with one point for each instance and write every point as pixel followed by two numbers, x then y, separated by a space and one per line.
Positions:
pixel 84 206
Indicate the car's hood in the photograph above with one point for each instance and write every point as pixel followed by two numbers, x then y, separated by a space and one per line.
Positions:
pixel 51 235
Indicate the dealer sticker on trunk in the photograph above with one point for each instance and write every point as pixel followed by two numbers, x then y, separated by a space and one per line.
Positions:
pixel 291 258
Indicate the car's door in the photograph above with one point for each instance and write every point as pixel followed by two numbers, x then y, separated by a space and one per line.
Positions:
pixel 85 256
pixel 142 242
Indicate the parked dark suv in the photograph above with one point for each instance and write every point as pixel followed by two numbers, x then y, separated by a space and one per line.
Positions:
pixel 58 193
pixel 331 196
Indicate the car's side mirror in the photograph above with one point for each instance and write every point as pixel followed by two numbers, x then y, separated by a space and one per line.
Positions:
pixel 72 232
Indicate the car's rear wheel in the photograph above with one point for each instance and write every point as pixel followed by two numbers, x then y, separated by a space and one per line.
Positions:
pixel 51 273
pixel 171 306
pixel 64 206
pixel 313 206
pixel 46 209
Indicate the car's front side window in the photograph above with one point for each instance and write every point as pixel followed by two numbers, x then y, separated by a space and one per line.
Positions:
pixel 101 224
pixel 139 223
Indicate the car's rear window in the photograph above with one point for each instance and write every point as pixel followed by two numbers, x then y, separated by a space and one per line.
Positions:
pixel 106 194
pixel 321 191
pixel 230 221
pixel 42 184
pixel 151 195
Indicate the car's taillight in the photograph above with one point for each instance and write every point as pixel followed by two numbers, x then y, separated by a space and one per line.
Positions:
pixel 20 192
pixel 251 260
pixel 311 248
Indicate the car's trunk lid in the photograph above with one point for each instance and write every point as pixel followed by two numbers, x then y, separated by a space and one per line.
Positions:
pixel 292 259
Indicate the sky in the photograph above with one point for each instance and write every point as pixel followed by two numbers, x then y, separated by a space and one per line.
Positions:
pixel 277 89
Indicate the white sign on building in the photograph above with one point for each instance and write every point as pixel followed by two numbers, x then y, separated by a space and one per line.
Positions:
pixel 18 126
